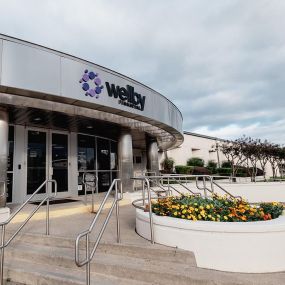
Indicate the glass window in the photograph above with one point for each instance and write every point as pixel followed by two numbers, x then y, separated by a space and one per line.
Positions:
pixel 11 148
pixel 60 161
pixel 103 154
pixel 114 157
pixel 86 153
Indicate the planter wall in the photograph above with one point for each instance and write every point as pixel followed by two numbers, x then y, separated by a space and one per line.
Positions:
pixel 252 247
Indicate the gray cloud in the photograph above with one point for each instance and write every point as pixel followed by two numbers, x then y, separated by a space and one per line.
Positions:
pixel 221 62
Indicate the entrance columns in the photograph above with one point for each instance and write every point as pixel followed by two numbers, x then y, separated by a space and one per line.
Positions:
pixel 4 127
pixel 152 156
pixel 125 159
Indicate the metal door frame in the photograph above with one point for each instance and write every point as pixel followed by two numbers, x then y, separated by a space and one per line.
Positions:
pixel 49 133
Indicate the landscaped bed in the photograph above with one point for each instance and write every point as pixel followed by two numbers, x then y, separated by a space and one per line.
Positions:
pixel 216 208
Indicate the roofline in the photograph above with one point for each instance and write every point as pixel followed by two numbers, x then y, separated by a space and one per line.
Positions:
pixel 90 62
pixel 202 136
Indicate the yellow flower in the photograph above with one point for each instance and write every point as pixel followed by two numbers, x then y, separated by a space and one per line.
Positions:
pixel 209 216
pixel 182 216
pixel 199 217
pixel 175 213
pixel 182 207
pixel 196 210
pixel 225 217
pixel 208 207
pixel 184 211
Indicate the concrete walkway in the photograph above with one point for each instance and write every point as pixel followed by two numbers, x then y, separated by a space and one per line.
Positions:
pixel 69 219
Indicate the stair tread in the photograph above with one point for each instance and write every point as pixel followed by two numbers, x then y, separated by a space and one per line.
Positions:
pixel 155 252
pixel 108 259
pixel 56 275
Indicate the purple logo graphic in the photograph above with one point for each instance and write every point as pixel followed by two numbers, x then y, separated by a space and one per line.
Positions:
pixel 91 84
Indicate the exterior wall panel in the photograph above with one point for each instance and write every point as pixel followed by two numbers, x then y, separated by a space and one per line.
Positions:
pixel 30 68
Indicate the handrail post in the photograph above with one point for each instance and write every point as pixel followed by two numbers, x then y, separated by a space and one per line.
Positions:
pixel 205 188
pixel 47 218
pixel 88 260
pixel 47 208
pixel 2 256
pixel 117 213
pixel 150 211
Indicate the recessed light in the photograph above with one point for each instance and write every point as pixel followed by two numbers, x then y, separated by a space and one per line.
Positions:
pixel 89 127
pixel 37 119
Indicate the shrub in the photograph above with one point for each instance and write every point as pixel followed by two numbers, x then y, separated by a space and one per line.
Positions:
pixel 216 208
pixel 224 171
pixel 212 164
pixel 195 161
pixel 183 169
pixel 197 170
pixel 168 164
pixel 226 164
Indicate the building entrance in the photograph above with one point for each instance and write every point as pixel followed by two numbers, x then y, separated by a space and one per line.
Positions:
pixel 47 158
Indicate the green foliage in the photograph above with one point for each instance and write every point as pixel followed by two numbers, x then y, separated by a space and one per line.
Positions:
pixel 195 161
pixel 168 164
pixel 183 169
pixel 274 209
pixel 226 164
pixel 212 164
pixel 225 171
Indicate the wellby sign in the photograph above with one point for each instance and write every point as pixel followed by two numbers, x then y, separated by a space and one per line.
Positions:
pixel 127 96
pixel 91 84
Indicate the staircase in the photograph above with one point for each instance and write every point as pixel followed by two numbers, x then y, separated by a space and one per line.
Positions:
pixel 34 259
pixel 38 259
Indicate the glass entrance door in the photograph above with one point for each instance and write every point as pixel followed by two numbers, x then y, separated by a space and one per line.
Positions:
pixel 36 160
pixel 59 160
pixel 47 157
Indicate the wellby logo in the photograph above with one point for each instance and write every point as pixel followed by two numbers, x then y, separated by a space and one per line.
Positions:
pixel 91 84
pixel 126 95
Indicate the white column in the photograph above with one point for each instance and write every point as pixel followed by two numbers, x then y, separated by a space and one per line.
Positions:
pixel 125 158
pixel 152 157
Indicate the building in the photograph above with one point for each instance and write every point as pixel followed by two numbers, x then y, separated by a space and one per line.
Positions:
pixel 197 145
pixel 205 147
pixel 61 116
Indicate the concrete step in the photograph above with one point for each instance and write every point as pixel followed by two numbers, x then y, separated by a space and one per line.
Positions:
pixel 153 252
pixel 17 272
pixel 40 260
pixel 133 268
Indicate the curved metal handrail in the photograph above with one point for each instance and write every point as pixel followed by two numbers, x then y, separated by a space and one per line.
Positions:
pixel 188 189
pixel 90 254
pixel 4 224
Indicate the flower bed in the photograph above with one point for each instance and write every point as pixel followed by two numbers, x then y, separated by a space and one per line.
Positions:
pixel 216 208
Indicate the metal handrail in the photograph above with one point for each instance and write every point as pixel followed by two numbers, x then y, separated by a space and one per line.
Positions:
pixel 86 233
pixel 181 184
pixel 4 224
pixel 86 183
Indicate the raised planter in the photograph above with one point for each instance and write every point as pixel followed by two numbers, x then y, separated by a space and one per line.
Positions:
pixel 252 247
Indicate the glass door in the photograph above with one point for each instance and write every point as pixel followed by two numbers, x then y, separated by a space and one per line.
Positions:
pixel 36 160
pixel 59 160
pixel 10 164
pixel 47 157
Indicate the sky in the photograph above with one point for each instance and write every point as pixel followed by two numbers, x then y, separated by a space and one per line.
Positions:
pixel 222 62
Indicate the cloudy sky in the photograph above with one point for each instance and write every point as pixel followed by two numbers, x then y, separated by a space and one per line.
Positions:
pixel 221 62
